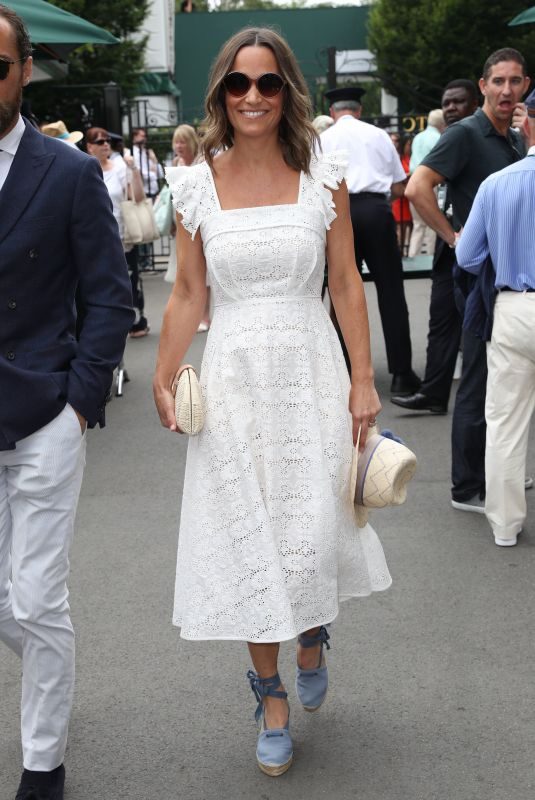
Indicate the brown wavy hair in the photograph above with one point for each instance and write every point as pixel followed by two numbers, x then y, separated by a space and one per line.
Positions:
pixel 296 134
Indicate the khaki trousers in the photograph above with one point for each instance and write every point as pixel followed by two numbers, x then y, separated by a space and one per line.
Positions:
pixel 509 406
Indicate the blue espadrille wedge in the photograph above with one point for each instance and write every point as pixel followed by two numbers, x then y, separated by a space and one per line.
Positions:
pixel 274 749
pixel 311 684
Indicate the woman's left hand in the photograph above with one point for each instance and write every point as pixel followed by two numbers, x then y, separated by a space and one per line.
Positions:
pixel 364 405
pixel 129 161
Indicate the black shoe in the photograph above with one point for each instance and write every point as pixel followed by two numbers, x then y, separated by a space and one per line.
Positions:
pixel 404 383
pixel 42 785
pixel 140 328
pixel 420 402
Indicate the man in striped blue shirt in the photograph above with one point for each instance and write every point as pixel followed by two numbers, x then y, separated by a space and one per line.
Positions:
pixel 501 224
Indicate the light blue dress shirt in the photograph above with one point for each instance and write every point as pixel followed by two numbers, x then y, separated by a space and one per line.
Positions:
pixel 502 224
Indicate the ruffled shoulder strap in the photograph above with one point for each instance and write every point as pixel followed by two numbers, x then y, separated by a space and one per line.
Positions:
pixel 328 170
pixel 193 194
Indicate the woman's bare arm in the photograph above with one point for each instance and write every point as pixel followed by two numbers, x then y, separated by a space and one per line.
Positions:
pixel 347 294
pixel 181 318
pixel 135 180
pixel 420 192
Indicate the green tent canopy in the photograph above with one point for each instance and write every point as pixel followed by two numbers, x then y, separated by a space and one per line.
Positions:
pixel 55 27
pixel 152 83
pixel 526 16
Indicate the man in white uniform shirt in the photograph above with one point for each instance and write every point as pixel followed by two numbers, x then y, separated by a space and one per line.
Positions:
pixel 375 173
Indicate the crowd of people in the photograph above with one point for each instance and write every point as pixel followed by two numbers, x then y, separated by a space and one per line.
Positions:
pixel 269 542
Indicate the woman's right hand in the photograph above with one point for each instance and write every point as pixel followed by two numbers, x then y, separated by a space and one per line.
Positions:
pixel 165 404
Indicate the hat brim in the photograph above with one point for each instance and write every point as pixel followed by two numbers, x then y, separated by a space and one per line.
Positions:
pixel 74 137
pixel 381 472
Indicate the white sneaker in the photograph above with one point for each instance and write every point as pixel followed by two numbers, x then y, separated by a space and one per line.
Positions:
pixel 510 542
pixel 528 484
pixel 473 504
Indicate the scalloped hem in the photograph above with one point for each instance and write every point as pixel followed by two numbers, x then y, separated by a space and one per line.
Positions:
pixel 285 637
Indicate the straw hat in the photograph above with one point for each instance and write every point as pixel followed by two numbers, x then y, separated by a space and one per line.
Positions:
pixel 381 473
pixel 58 130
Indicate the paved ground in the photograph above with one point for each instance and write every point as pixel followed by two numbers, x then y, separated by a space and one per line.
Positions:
pixel 432 682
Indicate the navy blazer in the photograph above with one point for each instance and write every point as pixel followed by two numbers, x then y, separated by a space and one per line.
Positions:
pixel 479 310
pixel 58 236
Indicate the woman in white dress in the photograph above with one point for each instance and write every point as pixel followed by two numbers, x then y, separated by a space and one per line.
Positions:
pixel 268 542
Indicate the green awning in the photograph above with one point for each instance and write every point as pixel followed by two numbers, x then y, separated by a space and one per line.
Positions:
pixel 157 83
pixel 50 25
pixel 526 16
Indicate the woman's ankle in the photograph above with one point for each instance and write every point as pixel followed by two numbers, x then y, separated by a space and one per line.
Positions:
pixel 309 657
pixel 276 711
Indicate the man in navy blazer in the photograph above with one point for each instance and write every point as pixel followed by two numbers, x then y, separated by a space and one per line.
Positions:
pixel 58 236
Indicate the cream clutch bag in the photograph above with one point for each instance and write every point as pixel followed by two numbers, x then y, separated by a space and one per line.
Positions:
pixel 189 407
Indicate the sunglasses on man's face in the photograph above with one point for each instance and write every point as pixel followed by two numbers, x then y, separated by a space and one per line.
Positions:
pixel 5 65
pixel 238 84
pixel 102 141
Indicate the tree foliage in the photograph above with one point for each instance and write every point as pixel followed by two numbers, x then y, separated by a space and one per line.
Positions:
pixel 121 63
pixel 420 45
pixel 98 64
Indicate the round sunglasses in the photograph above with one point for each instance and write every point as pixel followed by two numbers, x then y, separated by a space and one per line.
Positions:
pixel 5 65
pixel 238 84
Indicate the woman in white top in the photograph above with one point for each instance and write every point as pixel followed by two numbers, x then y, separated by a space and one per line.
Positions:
pixel 115 172
pixel 185 145
pixel 269 544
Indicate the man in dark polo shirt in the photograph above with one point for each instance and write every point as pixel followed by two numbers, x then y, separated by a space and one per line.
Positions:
pixel 459 100
pixel 467 153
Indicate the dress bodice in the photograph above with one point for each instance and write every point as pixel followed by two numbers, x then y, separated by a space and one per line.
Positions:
pixel 263 252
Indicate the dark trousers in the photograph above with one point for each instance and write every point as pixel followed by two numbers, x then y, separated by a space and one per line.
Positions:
pixel 445 327
pixel 138 299
pixel 374 232
pixel 468 426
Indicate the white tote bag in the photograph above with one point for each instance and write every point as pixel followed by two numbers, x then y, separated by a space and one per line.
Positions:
pixel 138 220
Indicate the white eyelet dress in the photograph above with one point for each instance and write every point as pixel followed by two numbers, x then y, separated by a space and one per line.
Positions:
pixel 268 543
